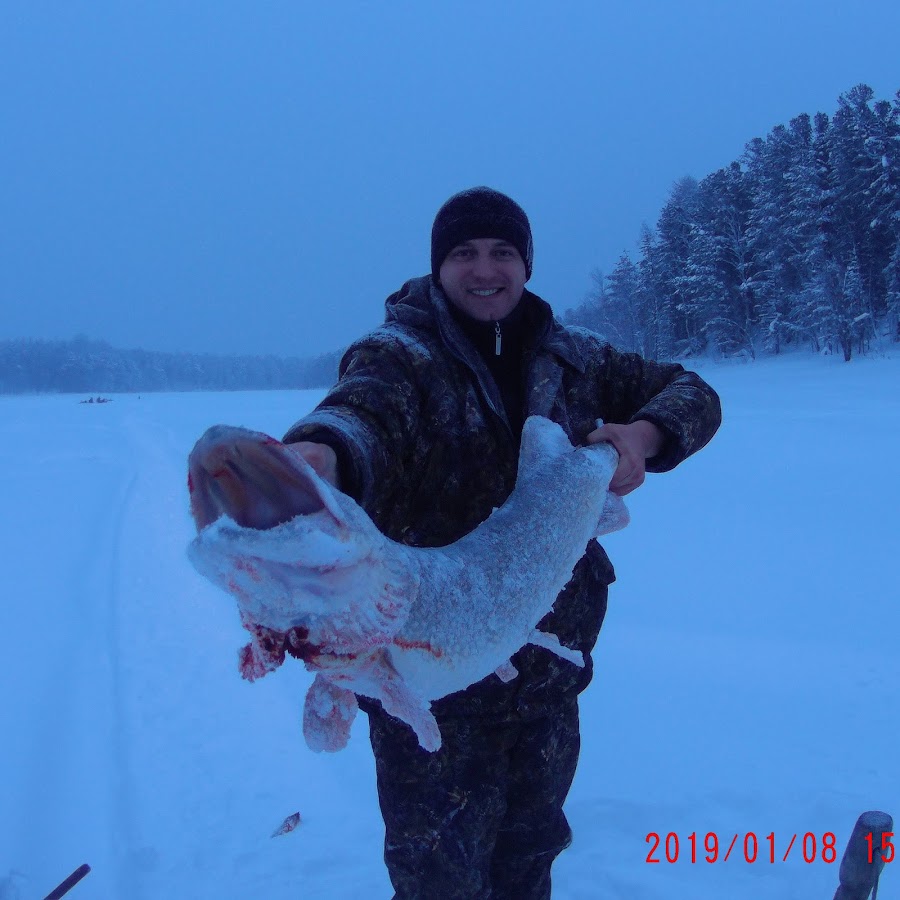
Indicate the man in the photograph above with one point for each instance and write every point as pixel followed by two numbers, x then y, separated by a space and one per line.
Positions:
pixel 423 429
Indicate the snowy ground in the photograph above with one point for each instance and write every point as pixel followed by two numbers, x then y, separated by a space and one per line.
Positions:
pixel 747 674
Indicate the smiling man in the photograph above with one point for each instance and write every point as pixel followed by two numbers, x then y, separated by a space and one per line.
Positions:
pixel 484 261
pixel 423 430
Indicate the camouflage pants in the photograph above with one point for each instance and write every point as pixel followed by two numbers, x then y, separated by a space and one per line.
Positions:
pixel 481 818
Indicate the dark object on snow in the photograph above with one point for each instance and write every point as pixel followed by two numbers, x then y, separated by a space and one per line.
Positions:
pixel 69 883
pixel 289 824
pixel 865 856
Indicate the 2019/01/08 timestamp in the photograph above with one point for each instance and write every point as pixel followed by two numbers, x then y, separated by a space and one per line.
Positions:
pixel 708 848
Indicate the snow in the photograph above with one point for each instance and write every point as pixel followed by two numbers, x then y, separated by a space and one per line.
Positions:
pixel 746 675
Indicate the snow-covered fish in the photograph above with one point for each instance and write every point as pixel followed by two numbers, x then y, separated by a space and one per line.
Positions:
pixel 315 578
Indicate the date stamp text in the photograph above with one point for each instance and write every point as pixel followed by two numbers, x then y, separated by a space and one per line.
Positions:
pixel 811 847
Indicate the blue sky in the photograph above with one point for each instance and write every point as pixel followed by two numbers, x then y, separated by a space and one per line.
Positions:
pixel 257 177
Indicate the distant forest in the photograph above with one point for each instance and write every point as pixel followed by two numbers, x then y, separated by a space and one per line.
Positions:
pixel 797 243
pixel 83 365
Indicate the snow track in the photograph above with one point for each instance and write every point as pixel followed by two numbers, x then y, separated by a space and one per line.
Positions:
pixel 70 787
pixel 130 742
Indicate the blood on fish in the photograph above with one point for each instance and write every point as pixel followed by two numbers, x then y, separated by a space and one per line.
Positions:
pixel 244 565
pixel 387 607
pixel 253 664
pixel 418 645
pixel 299 648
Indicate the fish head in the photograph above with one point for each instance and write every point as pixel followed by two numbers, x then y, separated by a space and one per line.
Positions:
pixel 303 559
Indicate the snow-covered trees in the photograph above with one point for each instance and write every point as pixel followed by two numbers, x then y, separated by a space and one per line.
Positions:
pixel 796 242
pixel 893 294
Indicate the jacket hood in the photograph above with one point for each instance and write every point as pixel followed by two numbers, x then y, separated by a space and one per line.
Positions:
pixel 422 305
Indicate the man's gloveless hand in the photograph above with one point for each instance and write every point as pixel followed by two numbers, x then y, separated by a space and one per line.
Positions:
pixel 636 444
pixel 321 457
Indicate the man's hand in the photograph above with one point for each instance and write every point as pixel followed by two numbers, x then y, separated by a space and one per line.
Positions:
pixel 321 457
pixel 636 443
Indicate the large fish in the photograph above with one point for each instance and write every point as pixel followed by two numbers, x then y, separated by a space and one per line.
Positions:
pixel 315 578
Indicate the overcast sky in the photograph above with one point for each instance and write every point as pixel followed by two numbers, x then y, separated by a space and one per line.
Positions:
pixel 258 176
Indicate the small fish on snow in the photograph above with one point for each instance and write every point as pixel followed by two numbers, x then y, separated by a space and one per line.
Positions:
pixel 288 825
pixel 315 578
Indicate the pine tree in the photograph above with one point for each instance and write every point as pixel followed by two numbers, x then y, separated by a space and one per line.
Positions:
pixel 860 145
pixel 622 317
pixel 766 162
pixel 654 303
pixel 783 225
pixel 849 320
pixel 893 294
pixel 883 160
pixel 589 313
pixel 723 263
pixel 676 238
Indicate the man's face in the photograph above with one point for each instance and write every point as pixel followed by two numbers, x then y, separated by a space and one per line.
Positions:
pixel 484 277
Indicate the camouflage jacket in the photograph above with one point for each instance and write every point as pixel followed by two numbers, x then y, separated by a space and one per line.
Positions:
pixel 425 446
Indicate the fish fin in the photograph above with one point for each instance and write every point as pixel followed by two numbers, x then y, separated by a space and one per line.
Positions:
pixel 506 672
pixel 541 438
pixel 384 683
pixel 614 515
pixel 398 700
pixel 255 662
pixel 551 642
pixel 328 713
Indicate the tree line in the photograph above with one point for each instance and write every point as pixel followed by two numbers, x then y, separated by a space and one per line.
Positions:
pixel 795 243
pixel 83 365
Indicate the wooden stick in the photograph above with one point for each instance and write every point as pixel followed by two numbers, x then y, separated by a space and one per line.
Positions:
pixel 69 883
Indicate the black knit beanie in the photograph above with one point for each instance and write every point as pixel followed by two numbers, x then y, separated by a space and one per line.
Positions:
pixel 479 212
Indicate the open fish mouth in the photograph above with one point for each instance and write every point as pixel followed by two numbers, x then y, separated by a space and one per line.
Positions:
pixel 254 480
